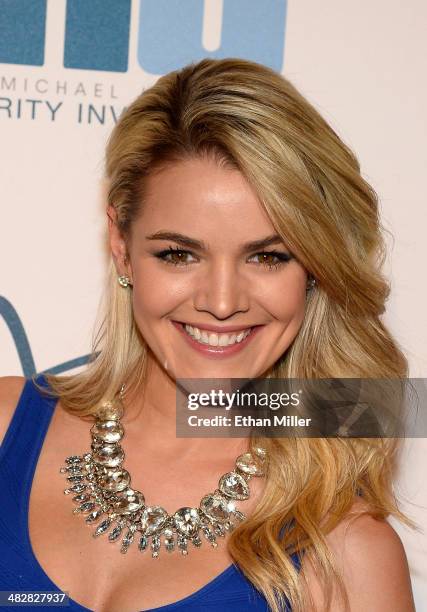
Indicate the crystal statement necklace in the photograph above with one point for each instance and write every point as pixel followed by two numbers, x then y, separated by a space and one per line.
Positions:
pixel 101 487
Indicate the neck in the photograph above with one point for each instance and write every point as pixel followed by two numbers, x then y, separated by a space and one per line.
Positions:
pixel 150 418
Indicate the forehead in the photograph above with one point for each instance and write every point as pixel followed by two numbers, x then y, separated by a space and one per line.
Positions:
pixel 198 197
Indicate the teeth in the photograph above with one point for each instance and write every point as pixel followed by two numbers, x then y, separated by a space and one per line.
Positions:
pixel 214 339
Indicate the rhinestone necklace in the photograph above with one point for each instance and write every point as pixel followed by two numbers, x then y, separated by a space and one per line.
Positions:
pixel 101 487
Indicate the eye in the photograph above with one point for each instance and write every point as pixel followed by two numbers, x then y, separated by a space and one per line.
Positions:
pixel 179 257
pixel 273 259
pixel 174 256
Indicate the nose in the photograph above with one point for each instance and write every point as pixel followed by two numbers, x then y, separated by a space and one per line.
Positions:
pixel 222 291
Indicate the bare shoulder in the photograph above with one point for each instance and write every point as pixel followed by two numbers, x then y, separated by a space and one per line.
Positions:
pixel 371 558
pixel 10 392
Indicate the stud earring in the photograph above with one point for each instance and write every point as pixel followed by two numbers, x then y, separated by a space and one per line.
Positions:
pixel 311 284
pixel 124 281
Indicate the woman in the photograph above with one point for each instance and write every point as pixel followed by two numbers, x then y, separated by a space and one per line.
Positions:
pixel 245 244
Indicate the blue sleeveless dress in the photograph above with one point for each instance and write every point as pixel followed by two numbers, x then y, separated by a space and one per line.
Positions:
pixel 230 591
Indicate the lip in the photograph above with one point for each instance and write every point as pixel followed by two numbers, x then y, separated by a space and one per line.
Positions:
pixel 217 352
pixel 224 329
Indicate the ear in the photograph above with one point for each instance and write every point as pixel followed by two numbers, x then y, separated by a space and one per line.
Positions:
pixel 118 245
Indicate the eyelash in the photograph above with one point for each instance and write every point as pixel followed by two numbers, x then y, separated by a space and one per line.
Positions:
pixel 283 257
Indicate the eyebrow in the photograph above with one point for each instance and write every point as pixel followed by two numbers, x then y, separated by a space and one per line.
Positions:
pixel 198 244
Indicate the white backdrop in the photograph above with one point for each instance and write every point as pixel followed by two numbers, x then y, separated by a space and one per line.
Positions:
pixel 361 64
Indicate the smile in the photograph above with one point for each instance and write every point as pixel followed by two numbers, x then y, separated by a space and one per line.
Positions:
pixel 215 339
pixel 216 344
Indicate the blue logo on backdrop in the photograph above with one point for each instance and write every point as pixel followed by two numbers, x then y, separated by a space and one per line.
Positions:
pixel 22 345
pixel 169 33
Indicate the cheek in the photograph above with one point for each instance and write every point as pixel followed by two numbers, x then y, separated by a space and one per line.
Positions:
pixel 154 290
pixel 156 294
pixel 286 300
pixel 288 312
pixel 149 304
pixel 292 307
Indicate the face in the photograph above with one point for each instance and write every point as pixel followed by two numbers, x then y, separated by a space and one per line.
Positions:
pixel 209 302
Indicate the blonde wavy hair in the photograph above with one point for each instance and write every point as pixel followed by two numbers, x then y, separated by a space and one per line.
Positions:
pixel 253 119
